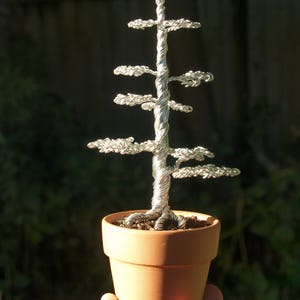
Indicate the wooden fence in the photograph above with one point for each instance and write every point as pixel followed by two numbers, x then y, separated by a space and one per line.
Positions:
pixel 252 48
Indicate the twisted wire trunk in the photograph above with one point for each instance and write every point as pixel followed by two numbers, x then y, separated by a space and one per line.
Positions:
pixel 160 172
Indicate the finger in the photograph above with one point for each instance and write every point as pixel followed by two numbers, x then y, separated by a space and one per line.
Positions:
pixel 212 292
pixel 109 296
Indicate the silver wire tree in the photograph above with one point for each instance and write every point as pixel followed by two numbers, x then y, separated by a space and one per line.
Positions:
pixel 161 105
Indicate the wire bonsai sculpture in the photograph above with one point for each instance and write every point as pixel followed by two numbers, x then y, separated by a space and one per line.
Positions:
pixel 160 210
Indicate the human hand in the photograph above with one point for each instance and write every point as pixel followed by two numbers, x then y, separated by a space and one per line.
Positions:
pixel 211 292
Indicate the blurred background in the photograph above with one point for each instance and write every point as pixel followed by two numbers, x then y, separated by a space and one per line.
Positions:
pixel 56 92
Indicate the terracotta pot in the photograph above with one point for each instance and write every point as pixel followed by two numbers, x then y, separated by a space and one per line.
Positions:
pixel 160 265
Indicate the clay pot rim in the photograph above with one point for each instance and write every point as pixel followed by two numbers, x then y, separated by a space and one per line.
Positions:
pixel 157 246
pixel 108 219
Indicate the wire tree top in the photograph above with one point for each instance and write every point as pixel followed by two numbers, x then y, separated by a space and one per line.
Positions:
pixel 161 106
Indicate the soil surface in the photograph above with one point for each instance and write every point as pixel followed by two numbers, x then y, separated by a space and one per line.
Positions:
pixel 190 222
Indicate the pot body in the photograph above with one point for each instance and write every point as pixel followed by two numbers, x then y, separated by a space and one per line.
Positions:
pixel 160 265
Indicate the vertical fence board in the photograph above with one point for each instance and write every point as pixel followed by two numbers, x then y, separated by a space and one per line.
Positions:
pixel 272 67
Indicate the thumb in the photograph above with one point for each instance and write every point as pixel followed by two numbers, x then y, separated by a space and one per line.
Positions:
pixel 212 292
pixel 109 296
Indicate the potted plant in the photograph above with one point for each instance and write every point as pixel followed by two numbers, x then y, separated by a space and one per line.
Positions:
pixel 161 254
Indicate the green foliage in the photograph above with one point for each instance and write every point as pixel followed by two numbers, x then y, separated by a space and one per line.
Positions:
pixel 260 251
pixel 49 215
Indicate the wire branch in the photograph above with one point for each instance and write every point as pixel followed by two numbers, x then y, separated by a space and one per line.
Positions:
pixel 133 99
pixel 198 153
pixel 205 171
pixel 141 24
pixel 192 79
pixel 148 102
pixel 133 71
pixel 122 146
pixel 172 104
pixel 173 25
pixel 185 154
pixel 170 25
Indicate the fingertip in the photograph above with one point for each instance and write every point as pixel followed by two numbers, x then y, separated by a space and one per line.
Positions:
pixel 109 296
pixel 212 292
